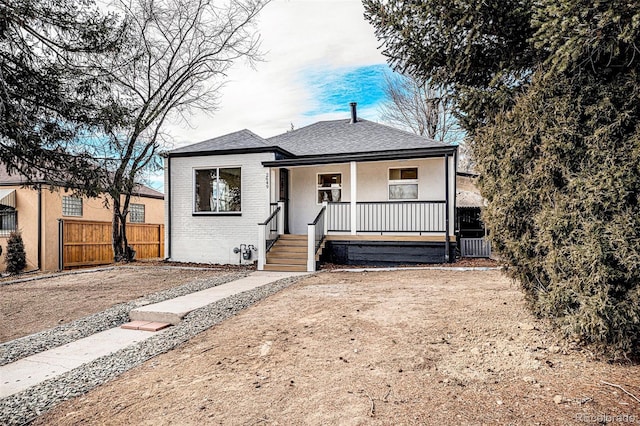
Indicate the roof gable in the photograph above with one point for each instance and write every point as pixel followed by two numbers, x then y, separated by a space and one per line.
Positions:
pixel 240 140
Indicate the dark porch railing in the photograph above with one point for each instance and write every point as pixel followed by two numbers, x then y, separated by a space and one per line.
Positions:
pixel 318 223
pixel 389 216
pixel 273 209
pixel 271 227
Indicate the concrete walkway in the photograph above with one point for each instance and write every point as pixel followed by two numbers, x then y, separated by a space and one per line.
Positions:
pixel 29 371
pixel 173 310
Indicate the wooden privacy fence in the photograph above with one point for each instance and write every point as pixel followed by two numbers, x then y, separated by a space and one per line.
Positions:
pixel 86 243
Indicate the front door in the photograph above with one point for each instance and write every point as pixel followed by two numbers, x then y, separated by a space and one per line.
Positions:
pixel 284 196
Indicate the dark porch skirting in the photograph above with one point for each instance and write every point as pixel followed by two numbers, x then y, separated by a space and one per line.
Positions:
pixel 386 253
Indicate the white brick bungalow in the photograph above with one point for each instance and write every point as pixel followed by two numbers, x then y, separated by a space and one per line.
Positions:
pixel 345 191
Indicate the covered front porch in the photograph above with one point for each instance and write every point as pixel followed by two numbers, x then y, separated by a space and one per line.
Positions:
pixel 377 212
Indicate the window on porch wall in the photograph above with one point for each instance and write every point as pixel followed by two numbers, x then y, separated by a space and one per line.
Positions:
pixel 403 183
pixel 329 187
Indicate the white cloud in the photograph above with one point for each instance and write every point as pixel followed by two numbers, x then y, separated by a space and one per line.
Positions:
pixel 297 36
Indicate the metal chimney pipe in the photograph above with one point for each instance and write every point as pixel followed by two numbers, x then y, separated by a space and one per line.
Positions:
pixel 354 115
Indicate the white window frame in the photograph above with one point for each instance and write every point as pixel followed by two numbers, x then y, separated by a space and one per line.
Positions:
pixel 131 217
pixel 325 188
pixel 70 197
pixel 391 182
pixel 194 193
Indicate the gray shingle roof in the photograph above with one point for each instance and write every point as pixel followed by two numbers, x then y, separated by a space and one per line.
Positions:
pixel 145 191
pixel 344 137
pixel 243 139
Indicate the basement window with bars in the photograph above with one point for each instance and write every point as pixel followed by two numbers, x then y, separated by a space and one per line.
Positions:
pixel 71 206
pixel 136 213
pixel 403 183
pixel 8 220
pixel 218 190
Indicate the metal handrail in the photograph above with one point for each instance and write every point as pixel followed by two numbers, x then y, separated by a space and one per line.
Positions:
pixel 270 218
pixel 318 224
pixel 320 213
pixel 270 227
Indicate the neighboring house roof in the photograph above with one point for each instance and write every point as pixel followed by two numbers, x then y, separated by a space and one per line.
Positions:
pixel 8 179
pixel 466 199
pixel 467 193
pixel 144 191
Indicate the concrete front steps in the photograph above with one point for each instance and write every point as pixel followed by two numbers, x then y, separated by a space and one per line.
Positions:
pixel 289 253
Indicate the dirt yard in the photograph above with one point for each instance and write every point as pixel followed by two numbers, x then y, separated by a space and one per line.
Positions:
pixel 29 307
pixel 381 348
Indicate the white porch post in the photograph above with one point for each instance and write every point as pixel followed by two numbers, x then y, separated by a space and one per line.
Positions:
pixel 325 222
pixel 311 248
pixel 446 206
pixel 354 196
pixel 262 246
pixel 280 218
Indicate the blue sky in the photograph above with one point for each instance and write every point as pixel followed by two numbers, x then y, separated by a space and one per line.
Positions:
pixel 333 90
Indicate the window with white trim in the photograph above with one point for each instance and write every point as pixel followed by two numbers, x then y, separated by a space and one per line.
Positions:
pixel 217 190
pixel 71 206
pixel 329 187
pixel 403 183
pixel 136 213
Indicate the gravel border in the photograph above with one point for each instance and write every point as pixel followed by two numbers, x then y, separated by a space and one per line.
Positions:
pixel 23 407
pixel 23 278
pixel 115 316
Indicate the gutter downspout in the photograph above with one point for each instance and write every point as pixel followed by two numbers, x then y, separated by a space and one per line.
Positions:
pixel 168 198
pixel 446 206
pixel 39 227
pixel 60 244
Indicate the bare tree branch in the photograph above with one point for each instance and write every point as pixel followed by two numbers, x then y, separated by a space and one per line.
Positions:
pixel 180 53
pixel 425 110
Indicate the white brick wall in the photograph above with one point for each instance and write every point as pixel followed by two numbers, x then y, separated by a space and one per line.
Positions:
pixel 211 239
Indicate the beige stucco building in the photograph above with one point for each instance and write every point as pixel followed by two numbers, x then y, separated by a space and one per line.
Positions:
pixel 36 210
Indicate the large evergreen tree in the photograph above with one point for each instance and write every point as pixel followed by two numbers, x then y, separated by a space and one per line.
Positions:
pixel 550 92
pixel 48 89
